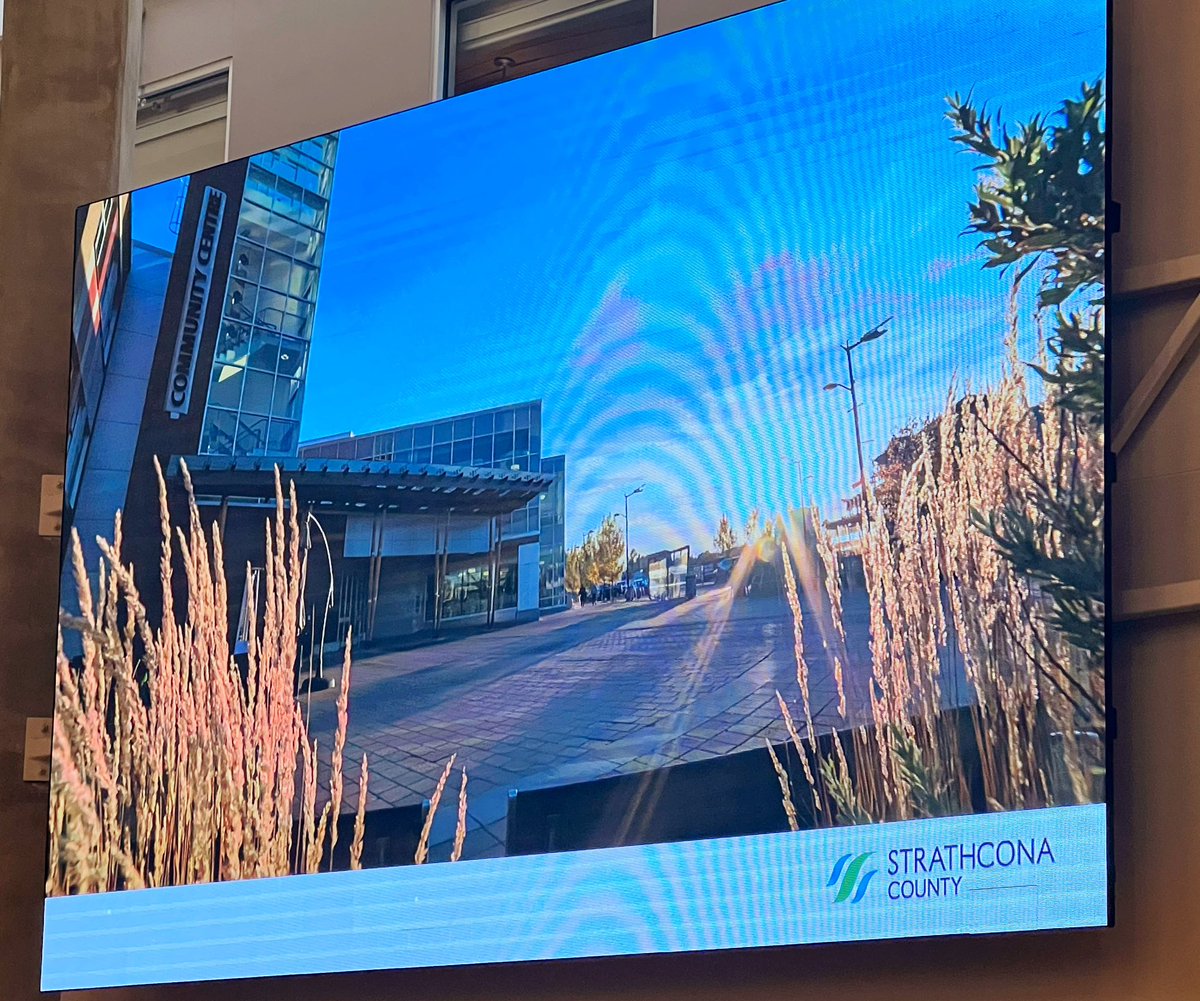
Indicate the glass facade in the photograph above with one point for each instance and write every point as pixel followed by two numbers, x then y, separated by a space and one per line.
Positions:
pixel 503 438
pixel 552 589
pixel 466 592
pixel 102 263
pixel 506 438
pixel 257 384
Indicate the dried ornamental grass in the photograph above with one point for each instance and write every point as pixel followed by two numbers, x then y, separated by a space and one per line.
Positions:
pixel 360 818
pixel 785 788
pixel 460 829
pixel 422 853
pixel 938 588
pixel 169 767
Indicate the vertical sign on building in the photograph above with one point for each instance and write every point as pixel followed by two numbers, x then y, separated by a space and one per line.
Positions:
pixel 195 304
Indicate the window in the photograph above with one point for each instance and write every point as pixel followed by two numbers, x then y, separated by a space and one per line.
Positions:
pixel 490 41
pixel 468 592
pixel 181 128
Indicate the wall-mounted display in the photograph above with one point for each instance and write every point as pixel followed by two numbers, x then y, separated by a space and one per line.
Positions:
pixel 653 505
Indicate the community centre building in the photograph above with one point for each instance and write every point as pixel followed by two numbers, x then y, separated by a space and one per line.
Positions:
pixel 195 352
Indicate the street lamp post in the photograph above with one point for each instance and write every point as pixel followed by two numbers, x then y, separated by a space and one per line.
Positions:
pixel 631 493
pixel 851 386
pixel 804 490
pixel 618 514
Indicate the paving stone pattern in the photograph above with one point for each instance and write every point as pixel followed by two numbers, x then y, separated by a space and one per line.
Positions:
pixel 583 694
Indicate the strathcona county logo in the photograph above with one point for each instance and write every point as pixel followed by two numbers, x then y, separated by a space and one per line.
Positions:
pixel 854 882
pixel 932 871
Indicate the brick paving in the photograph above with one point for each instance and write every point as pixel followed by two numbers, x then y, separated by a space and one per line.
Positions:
pixel 583 694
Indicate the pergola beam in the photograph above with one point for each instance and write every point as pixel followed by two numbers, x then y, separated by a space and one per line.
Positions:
pixel 1148 390
pixel 1157 276
pixel 1159 599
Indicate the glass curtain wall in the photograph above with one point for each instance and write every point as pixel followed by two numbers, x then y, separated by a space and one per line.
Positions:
pixel 257 385
pixel 553 557
pixel 101 267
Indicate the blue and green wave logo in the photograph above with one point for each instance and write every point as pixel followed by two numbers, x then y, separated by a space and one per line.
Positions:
pixel 854 882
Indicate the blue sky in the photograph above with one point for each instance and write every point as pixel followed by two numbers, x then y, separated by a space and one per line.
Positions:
pixel 666 245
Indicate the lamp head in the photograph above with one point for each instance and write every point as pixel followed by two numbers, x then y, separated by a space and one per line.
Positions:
pixel 876 333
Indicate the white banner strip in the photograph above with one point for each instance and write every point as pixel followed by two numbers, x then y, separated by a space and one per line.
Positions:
pixel 1037 869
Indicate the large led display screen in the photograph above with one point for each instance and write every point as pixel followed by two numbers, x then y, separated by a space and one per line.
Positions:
pixel 654 505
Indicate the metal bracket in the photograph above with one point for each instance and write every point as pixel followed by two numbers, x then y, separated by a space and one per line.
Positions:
pixel 50 511
pixel 37 749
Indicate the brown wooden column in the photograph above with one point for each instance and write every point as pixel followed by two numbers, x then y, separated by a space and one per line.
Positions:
pixel 491 612
pixel 442 565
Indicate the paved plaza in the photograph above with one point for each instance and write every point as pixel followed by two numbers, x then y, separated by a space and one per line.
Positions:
pixel 587 693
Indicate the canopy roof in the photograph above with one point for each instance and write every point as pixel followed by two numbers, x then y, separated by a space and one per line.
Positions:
pixel 348 484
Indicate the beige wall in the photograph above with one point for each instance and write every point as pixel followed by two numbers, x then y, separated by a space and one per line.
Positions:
pixel 57 150
pixel 672 15
pixel 1157 496
pixel 300 67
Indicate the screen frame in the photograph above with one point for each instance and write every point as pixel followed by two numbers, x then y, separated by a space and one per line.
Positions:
pixel 442 69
